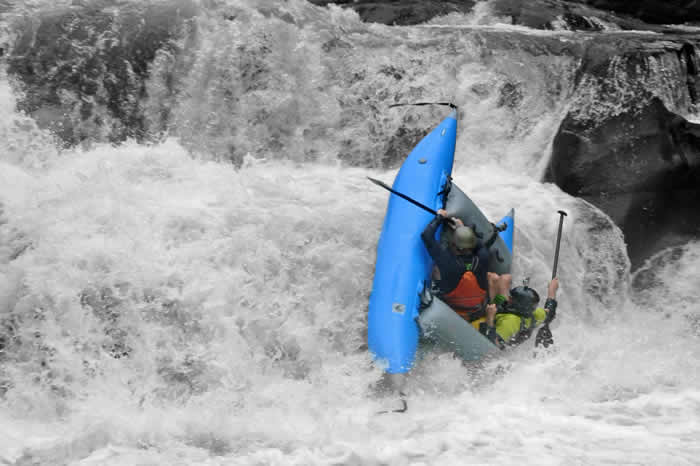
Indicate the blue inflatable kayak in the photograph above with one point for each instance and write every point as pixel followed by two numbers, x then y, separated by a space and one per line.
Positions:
pixel 403 267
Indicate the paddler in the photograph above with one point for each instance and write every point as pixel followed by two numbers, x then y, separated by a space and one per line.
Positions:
pixel 461 266
pixel 514 314
pixel 462 277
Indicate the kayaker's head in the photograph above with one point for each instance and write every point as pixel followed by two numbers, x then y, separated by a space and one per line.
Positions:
pixel 463 240
pixel 524 299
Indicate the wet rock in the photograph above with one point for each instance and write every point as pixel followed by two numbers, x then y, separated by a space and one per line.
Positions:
pixel 569 15
pixel 575 22
pixel 403 12
pixel 642 167
pixel 538 14
pixel 575 15
pixel 652 11
pixel 628 151
pixel 689 60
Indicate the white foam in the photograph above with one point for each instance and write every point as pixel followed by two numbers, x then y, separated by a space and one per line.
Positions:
pixel 240 296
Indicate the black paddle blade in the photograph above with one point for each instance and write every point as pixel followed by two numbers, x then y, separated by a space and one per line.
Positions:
pixel 544 337
pixel 379 183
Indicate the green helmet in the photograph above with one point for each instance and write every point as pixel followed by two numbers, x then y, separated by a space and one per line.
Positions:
pixel 464 238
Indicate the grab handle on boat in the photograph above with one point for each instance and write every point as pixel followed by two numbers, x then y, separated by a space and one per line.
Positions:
pixel 418 104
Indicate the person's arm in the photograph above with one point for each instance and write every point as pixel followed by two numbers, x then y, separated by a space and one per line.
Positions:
pixel 544 334
pixel 428 235
pixel 448 267
pixel 550 304
pixel 488 328
pixel 549 311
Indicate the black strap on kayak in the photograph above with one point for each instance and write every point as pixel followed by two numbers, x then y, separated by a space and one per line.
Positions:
pixel 420 104
pixel 448 184
pixel 445 192
pixel 494 236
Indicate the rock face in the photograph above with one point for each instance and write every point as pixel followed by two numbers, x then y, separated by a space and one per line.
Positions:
pixel 401 12
pixel 642 168
pixel 652 11
pixel 580 15
pixel 628 153
pixel 571 15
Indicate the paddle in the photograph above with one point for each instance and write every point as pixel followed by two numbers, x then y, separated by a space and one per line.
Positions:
pixel 544 334
pixel 497 228
pixel 412 201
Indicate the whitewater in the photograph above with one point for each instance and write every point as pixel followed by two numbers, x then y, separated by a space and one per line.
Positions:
pixel 202 298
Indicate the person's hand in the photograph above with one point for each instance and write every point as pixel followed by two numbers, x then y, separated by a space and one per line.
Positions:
pixel 491 311
pixel 552 288
pixel 453 222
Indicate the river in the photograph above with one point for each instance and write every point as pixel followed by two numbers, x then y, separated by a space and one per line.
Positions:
pixel 201 298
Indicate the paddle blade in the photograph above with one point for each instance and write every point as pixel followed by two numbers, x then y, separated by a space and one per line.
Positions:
pixel 379 183
pixel 544 337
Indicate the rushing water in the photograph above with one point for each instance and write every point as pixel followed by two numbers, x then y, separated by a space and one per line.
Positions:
pixel 202 299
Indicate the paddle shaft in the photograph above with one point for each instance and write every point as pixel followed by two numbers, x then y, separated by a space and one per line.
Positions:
pixel 544 334
pixel 562 214
pixel 401 195
pixel 502 227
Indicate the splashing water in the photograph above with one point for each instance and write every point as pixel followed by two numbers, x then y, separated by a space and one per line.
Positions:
pixel 162 305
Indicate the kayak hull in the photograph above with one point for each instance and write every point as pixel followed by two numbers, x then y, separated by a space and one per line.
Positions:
pixel 403 265
pixel 441 325
pixel 401 310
